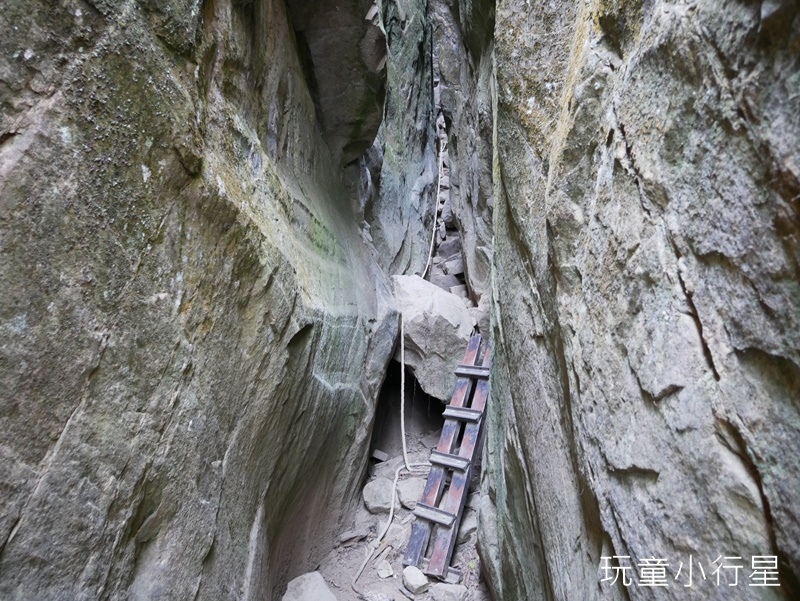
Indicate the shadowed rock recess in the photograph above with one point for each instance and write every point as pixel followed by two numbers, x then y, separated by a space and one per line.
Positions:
pixel 203 204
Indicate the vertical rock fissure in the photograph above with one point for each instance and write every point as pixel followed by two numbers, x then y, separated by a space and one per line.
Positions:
pixel 688 294
pixel 788 579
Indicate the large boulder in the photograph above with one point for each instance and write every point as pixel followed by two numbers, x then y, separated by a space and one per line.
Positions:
pixel 437 327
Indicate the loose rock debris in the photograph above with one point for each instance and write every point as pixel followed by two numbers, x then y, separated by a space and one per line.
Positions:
pixel 376 581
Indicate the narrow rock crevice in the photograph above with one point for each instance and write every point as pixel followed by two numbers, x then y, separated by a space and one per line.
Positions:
pixel 736 443
pixel 688 295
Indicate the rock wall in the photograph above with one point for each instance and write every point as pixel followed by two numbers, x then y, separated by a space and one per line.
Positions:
pixel 193 331
pixel 646 376
pixel 438 64
pixel 463 37
pixel 343 52
pixel 400 206
pixel 195 315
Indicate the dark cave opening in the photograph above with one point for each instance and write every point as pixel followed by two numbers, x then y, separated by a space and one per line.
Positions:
pixel 423 416
pixel 423 422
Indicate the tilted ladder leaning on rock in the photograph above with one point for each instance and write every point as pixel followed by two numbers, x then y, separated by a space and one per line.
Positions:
pixel 439 511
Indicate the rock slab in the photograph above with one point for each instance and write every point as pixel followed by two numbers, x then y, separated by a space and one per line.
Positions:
pixel 414 580
pixel 377 495
pixel 410 492
pixel 384 569
pixel 448 592
pixel 308 587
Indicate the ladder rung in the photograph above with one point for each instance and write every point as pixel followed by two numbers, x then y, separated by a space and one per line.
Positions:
pixel 434 514
pixel 455 462
pixel 453 575
pixel 472 371
pixel 462 413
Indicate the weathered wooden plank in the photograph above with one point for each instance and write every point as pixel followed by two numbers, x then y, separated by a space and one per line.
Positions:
pixel 421 530
pixel 434 514
pixel 461 395
pixel 379 456
pixel 417 543
pixel 467 371
pixel 445 538
pixel 447 460
pixel 462 413
pixel 454 575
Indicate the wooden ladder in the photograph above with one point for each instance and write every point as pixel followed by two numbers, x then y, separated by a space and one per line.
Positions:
pixel 439 511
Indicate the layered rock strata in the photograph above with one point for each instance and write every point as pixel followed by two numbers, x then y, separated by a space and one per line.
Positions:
pixel 193 329
pixel 646 373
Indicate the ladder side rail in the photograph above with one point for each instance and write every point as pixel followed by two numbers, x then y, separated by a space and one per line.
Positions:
pixel 421 530
pixel 445 538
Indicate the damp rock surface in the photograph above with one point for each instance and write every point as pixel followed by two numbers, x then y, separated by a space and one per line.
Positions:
pixel 194 330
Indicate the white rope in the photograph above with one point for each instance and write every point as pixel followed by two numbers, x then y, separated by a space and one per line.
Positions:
pixel 411 467
pixel 403 391
pixel 408 465
pixel 375 544
pixel 435 207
